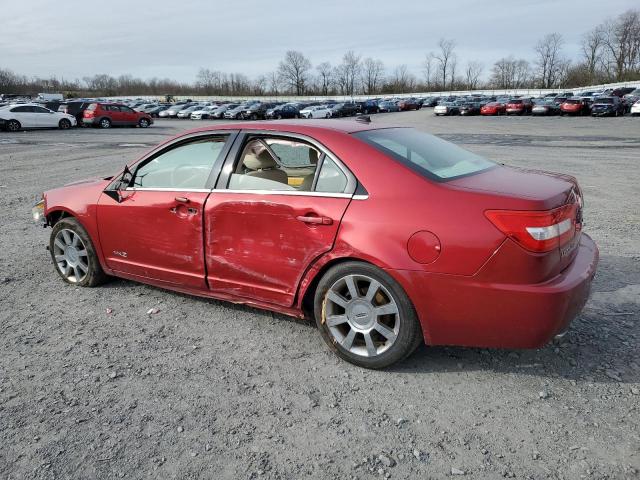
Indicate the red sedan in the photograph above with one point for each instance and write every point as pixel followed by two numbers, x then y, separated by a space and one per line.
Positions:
pixel 493 108
pixel 388 237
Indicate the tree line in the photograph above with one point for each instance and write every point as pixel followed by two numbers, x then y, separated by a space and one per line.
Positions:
pixel 610 52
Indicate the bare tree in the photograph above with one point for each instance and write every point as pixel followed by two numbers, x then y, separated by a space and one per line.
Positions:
pixel 510 73
pixel 592 50
pixel 325 74
pixel 403 81
pixel 294 70
pixel 549 60
pixel 622 44
pixel 472 74
pixel 428 69
pixel 274 83
pixel 446 58
pixel 348 73
pixel 372 75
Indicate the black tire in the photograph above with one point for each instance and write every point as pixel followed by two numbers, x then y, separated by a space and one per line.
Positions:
pixel 95 275
pixel 104 123
pixel 64 124
pixel 13 126
pixel 409 335
pixel 143 123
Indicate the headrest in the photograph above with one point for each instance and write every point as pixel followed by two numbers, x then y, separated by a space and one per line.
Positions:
pixel 313 156
pixel 259 162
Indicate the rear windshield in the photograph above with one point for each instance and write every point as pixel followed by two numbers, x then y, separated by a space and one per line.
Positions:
pixel 603 100
pixel 426 154
pixel 92 107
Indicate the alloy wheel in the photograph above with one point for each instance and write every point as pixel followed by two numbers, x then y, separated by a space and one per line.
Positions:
pixel 70 253
pixel 361 315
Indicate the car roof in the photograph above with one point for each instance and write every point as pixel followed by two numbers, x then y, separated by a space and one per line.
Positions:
pixel 303 127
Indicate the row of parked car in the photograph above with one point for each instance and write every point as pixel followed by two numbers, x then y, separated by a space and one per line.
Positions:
pixel 604 103
pixel 104 113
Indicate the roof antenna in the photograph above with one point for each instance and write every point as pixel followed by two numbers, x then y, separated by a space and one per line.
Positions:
pixel 363 118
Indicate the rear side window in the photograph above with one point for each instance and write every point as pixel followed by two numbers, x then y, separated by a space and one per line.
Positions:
pixel 426 154
pixel 92 107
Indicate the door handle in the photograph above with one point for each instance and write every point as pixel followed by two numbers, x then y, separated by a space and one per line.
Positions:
pixel 182 199
pixel 315 220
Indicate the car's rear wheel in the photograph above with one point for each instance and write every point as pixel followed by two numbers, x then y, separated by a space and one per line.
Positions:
pixel 13 125
pixel 105 123
pixel 64 124
pixel 143 123
pixel 74 255
pixel 365 316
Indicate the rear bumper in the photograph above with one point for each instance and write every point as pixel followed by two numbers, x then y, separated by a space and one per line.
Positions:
pixel 455 310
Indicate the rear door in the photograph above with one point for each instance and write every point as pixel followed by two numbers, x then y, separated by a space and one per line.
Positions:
pixel 155 230
pixel 276 208
pixel 25 115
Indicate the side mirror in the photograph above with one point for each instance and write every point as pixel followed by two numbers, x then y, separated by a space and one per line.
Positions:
pixel 122 183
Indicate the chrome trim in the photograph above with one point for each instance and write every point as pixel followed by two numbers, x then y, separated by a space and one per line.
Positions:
pixel 360 197
pixel 167 189
pixel 284 192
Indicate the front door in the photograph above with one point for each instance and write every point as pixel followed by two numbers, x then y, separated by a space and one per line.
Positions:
pixel 154 230
pixel 279 210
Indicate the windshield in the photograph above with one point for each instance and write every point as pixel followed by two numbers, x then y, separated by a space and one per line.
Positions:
pixel 428 155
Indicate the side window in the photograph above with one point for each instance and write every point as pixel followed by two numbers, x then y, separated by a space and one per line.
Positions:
pixel 271 163
pixel 40 110
pixel 21 109
pixel 331 178
pixel 125 109
pixel 184 167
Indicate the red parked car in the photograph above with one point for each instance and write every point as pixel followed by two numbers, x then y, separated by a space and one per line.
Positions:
pixel 388 237
pixel 575 106
pixel 104 115
pixel 409 104
pixel 493 108
pixel 518 106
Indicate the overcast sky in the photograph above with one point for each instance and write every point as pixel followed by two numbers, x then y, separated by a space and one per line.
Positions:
pixel 171 38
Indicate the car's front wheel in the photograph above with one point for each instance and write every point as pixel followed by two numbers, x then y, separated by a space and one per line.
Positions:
pixel 74 255
pixel 365 316
pixel 13 125
pixel 143 123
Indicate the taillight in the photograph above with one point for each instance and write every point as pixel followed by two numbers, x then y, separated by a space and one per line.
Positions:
pixel 538 231
pixel 87 113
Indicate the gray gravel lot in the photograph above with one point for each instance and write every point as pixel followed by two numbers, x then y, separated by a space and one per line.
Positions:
pixel 91 386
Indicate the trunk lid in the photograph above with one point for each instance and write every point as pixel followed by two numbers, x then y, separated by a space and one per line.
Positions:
pixel 518 189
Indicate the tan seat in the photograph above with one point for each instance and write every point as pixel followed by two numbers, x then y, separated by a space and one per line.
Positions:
pixel 264 166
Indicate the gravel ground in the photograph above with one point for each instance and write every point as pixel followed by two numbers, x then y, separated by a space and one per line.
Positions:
pixel 92 386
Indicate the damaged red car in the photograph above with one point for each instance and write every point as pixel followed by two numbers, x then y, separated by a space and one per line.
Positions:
pixel 387 237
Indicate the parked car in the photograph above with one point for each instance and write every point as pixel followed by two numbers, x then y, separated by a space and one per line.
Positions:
pixel 346 109
pixel 75 108
pixel 105 115
pixel 172 111
pixel 388 106
pixel 221 110
pixel 257 111
pixel 186 112
pixel 621 92
pixel 635 109
pixel 368 107
pixel 518 106
pixel 446 108
pixel 607 107
pixel 155 111
pixel 492 108
pixel 236 112
pixel 470 108
pixel 203 113
pixel 575 106
pixel 409 104
pixel 377 289
pixel 316 111
pixel 31 115
pixel 283 111
pixel 545 107
pixel 630 98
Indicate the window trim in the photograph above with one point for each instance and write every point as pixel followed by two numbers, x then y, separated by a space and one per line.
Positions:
pixel 231 163
pixel 175 143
